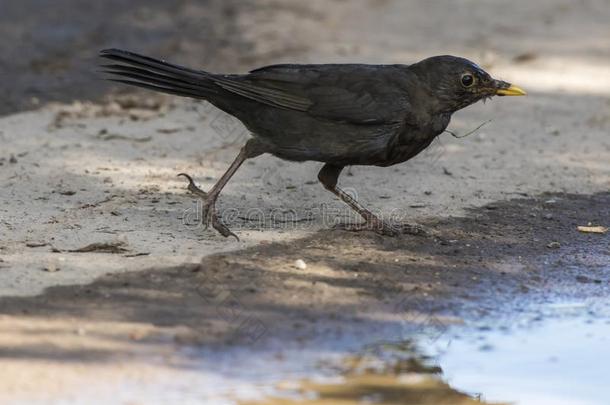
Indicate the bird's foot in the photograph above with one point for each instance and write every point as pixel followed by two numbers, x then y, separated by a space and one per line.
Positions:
pixel 208 210
pixel 382 228
pixel 412 229
pixel 217 224
pixel 192 187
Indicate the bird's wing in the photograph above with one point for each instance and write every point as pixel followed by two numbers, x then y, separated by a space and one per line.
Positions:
pixel 358 94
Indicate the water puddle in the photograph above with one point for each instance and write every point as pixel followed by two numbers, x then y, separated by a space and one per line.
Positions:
pixel 553 354
pixel 386 373
pixel 557 356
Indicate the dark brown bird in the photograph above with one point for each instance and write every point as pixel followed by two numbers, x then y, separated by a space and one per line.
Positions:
pixel 338 114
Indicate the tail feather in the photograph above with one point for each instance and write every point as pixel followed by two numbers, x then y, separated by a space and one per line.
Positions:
pixel 177 92
pixel 144 76
pixel 153 74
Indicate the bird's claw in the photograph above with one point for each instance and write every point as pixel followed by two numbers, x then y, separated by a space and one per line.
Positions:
pixel 383 228
pixel 222 228
pixel 208 211
pixel 192 187
pixel 412 229
pixel 211 217
pixel 379 227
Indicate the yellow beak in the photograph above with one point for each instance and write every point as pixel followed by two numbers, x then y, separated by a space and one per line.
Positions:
pixel 511 91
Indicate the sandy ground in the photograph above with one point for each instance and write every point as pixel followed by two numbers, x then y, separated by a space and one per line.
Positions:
pixel 58 43
pixel 102 177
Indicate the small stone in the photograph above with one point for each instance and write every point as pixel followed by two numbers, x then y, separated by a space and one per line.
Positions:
pixel 554 245
pixel 137 335
pixel 300 264
pixel 51 268
pixel 12 159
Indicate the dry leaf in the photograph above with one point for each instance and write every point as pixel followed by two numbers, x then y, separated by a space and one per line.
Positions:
pixel 593 229
pixel 105 247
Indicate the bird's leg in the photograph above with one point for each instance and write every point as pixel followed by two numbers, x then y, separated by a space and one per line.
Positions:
pixel 209 215
pixel 328 176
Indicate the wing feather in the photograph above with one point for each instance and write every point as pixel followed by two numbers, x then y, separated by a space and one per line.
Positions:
pixel 358 94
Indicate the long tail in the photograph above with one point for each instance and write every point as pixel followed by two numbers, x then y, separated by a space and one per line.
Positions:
pixel 153 74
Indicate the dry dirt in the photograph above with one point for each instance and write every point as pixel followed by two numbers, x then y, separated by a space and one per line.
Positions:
pixel 500 207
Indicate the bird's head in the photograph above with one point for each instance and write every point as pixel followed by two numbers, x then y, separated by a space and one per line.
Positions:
pixel 455 83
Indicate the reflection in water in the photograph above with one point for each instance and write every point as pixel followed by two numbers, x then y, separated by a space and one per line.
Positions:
pixel 384 374
pixel 559 356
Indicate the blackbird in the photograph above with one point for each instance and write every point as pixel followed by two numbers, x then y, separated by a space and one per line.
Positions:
pixel 337 114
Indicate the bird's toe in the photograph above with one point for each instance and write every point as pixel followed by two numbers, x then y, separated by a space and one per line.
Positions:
pixel 383 228
pixel 412 229
pixel 192 187
pixel 222 228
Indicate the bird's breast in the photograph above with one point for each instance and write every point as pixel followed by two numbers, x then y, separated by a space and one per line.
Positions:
pixel 439 124
pixel 414 139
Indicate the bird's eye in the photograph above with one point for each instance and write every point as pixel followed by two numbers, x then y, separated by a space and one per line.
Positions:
pixel 467 80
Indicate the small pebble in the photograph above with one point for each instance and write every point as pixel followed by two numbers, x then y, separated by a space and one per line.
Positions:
pixel 552 130
pixel 554 245
pixel 300 264
pixel 51 268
